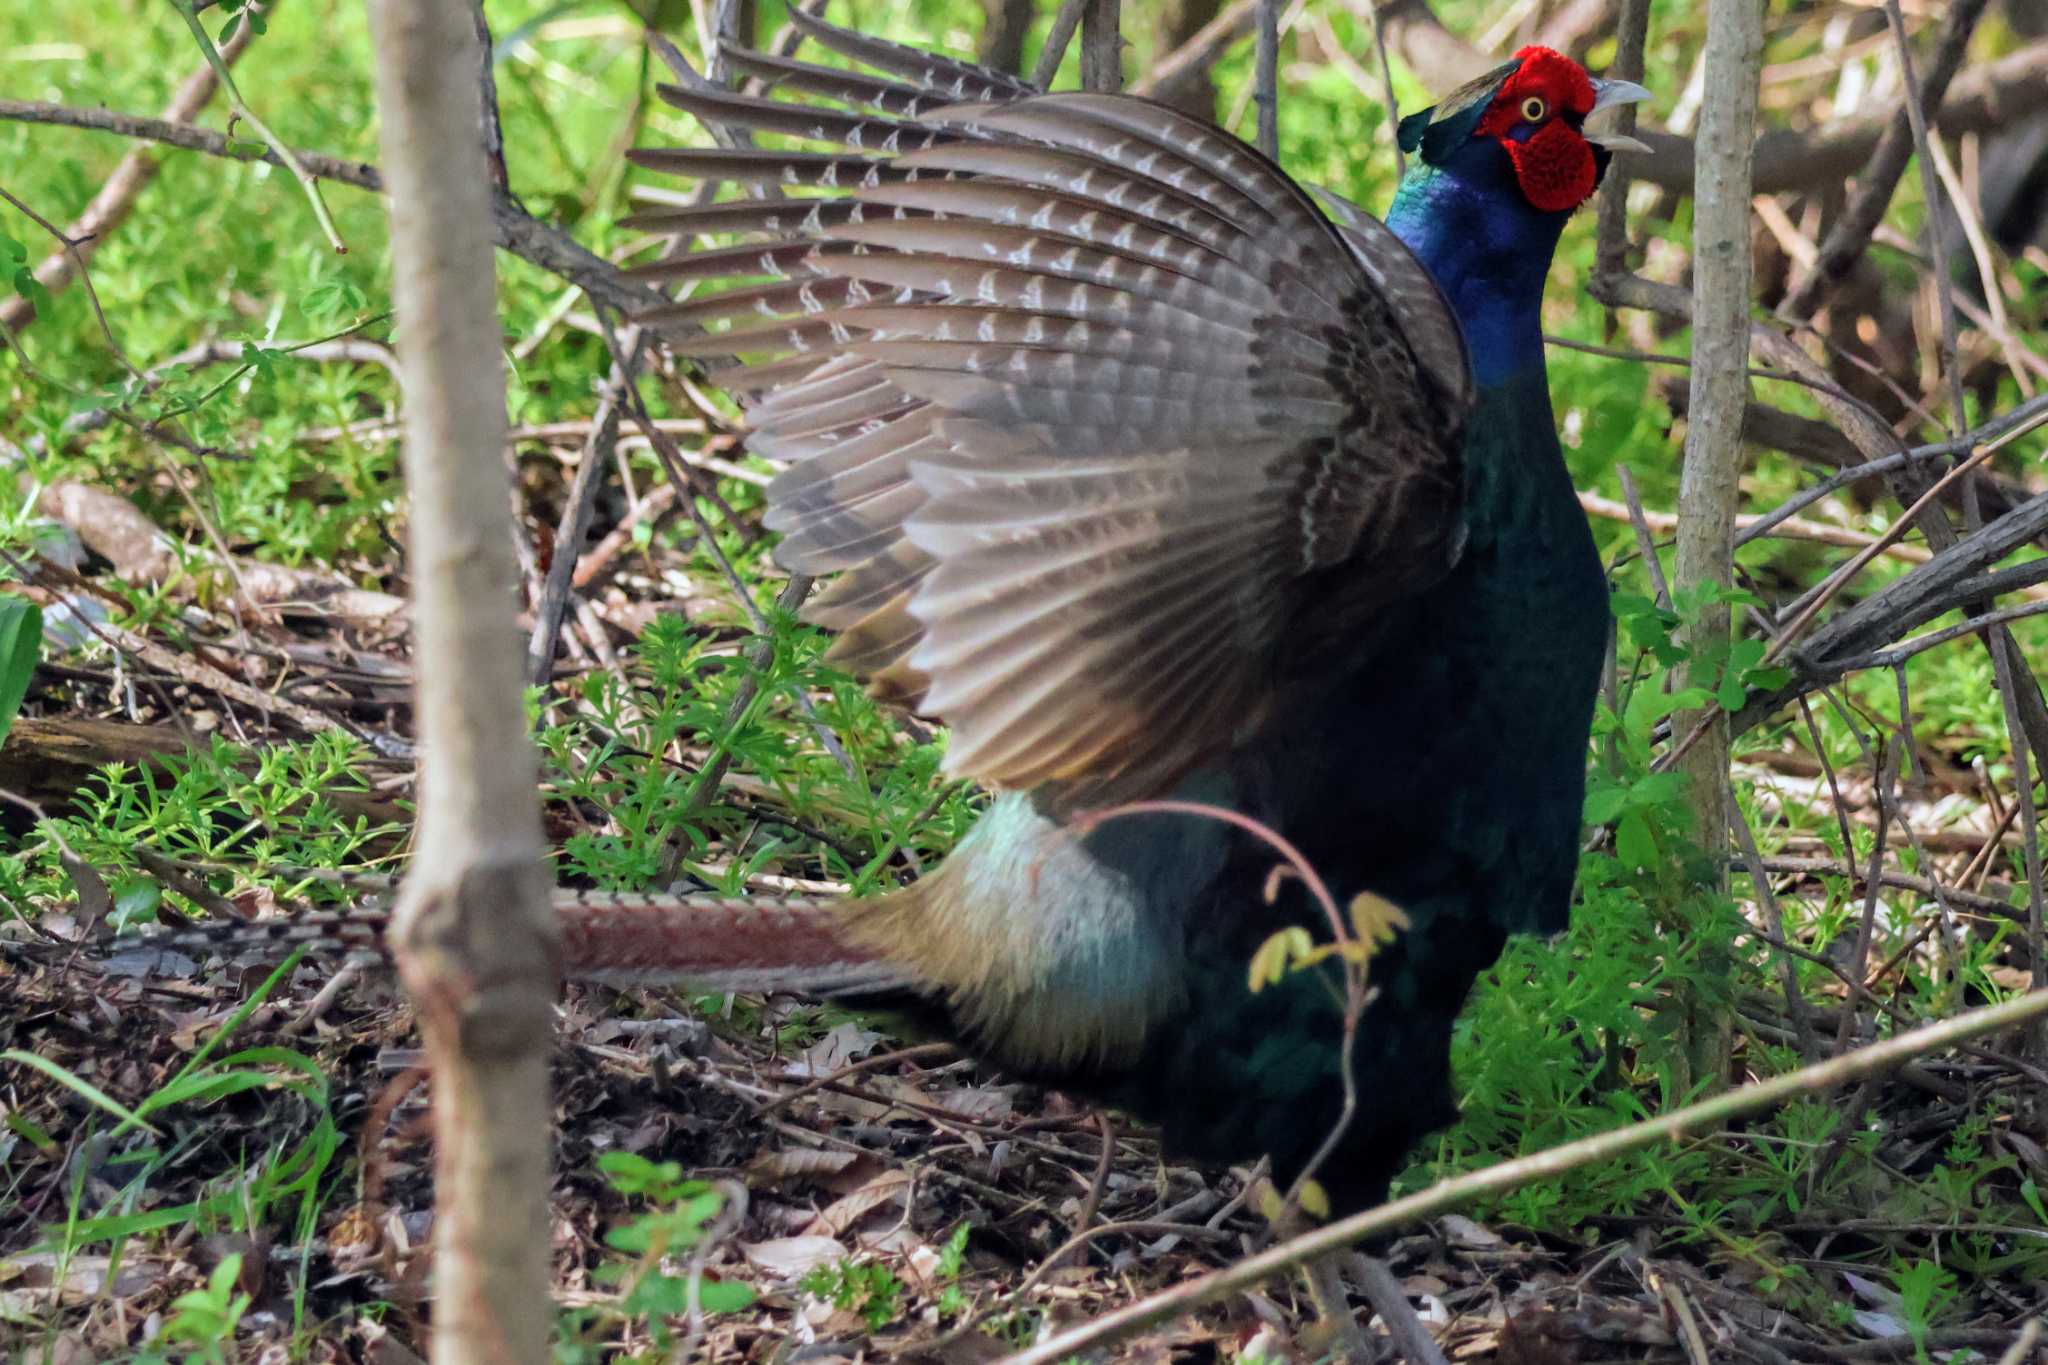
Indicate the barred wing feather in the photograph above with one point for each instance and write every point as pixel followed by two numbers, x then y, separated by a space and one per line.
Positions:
pixel 1088 404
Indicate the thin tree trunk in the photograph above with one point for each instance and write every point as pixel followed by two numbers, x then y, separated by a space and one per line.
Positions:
pixel 1266 80
pixel 1102 46
pixel 1004 26
pixel 1192 91
pixel 473 936
pixel 1707 488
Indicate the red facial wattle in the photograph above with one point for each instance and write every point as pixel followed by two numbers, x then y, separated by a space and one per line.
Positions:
pixel 1554 167
pixel 1535 117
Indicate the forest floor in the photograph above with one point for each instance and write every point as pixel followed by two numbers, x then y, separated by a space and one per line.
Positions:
pixel 835 1195
pixel 911 1209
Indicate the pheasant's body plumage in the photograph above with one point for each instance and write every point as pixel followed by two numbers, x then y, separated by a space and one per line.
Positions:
pixel 1442 767
pixel 1151 476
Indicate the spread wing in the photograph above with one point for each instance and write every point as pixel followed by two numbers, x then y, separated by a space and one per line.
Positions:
pixel 1089 405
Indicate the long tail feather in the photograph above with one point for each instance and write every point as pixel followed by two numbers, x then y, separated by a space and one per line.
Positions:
pixel 720 943
pixel 716 943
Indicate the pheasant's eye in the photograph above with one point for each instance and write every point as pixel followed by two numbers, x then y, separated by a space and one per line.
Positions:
pixel 1533 109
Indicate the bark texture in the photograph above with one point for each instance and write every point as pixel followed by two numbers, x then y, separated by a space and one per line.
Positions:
pixel 1707 487
pixel 473 936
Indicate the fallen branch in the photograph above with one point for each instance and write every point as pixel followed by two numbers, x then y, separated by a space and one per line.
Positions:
pixel 1978 902
pixel 178 664
pixel 141 552
pixel 1882 448
pixel 1958 576
pixel 1785 528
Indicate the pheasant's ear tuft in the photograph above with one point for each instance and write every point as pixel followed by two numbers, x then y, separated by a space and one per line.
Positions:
pixel 1440 130
pixel 1411 129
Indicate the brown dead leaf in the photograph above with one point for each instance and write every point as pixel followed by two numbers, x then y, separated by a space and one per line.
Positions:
pixel 2018 980
pixel 847 1043
pixel 802 1163
pixel 32 1277
pixel 254 1251
pixel 1462 1231
pixel 788 1259
pixel 890 1187
pixel 1535 1338
pixel 353 1230
pixel 71 1349
pixel 983 1103
pixel 2027 1150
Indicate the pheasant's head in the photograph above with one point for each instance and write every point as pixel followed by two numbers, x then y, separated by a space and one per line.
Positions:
pixel 1533 109
pixel 1498 167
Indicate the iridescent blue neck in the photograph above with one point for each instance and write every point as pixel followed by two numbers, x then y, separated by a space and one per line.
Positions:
pixel 1488 250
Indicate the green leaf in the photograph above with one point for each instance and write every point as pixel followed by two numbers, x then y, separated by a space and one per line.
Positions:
pixel 631 1173
pixel 953 1255
pixel 1604 803
pixel 1629 606
pixel 635 1236
pixel 135 901
pixel 29 287
pixel 79 1086
pixel 331 299
pixel 725 1296
pixel 1656 789
pixel 30 1132
pixel 2031 1192
pixel 21 641
pixel 208 1086
pixel 315 1086
pixel 1731 694
pixel 658 1296
pixel 1634 844
pixel 1647 705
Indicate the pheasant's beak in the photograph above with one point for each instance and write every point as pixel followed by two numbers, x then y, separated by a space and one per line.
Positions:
pixel 1618 142
pixel 1609 94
